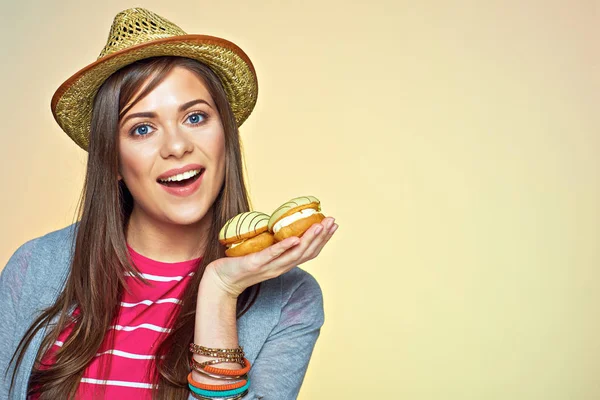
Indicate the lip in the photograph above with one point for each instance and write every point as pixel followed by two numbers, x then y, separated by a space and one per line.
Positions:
pixel 186 190
pixel 175 171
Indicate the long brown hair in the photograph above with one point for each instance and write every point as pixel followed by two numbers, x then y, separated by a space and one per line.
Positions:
pixel 100 256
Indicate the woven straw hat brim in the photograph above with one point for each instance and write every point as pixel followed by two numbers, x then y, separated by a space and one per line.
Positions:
pixel 73 101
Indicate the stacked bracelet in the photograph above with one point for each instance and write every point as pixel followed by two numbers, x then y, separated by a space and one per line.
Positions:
pixel 195 348
pixel 228 391
pixel 225 372
pixel 206 386
pixel 197 396
pixel 220 393
pixel 223 377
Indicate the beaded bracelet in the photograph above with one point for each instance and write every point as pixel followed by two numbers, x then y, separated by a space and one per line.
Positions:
pixel 197 396
pixel 196 348
pixel 206 386
pixel 217 361
pixel 221 355
pixel 211 393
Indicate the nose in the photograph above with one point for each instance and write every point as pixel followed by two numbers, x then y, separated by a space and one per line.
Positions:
pixel 176 143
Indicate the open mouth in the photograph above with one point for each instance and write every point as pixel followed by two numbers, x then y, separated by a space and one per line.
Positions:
pixel 183 182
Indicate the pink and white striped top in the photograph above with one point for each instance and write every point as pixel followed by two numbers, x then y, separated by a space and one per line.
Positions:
pixel 141 323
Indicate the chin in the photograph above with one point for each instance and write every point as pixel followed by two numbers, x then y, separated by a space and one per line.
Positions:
pixel 187 216
pixel 186 219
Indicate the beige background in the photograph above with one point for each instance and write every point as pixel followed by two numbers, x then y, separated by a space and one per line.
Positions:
pixel 456 144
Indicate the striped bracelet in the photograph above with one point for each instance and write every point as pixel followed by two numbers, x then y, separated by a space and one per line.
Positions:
pixel 222 377
pixel 206 386
pixel 210 393
pixel 197 396
pixel 229 372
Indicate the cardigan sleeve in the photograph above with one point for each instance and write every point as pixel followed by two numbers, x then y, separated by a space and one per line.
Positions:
pixel 280 367
pixel 11 283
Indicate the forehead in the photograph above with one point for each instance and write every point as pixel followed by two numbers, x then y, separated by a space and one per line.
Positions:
pixel 178 86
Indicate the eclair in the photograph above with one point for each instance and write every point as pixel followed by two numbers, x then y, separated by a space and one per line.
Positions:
pixel 246 233
pixel 295 217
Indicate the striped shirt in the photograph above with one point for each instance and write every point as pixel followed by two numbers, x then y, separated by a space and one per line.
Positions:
pixel 139 326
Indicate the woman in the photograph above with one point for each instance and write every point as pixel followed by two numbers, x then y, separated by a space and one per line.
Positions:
pixel 118 304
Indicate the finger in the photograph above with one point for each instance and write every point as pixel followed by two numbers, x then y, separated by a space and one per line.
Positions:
pixel 293 256
pixel 328 222
pixel 320 228
pixel 327 225
pixel 316 246
pixel 272 252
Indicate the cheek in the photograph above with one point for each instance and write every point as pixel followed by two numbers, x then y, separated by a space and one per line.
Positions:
pixel 127 165
pixel 217 150
pixel 132 165
pixel 220 151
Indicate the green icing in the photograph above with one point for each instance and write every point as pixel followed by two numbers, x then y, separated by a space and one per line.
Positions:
pixel 293 203
pixel 243 223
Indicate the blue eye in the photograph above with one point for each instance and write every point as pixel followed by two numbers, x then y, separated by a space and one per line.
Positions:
pixel 140 130
pixel 195 118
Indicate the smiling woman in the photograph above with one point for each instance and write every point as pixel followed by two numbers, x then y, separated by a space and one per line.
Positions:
pixel 176 119
pixel 137 298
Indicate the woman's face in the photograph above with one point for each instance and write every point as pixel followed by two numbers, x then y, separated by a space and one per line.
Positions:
pixel 180 129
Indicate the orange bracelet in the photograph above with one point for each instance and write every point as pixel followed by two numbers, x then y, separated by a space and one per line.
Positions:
pixel 206 386
pixel 229 372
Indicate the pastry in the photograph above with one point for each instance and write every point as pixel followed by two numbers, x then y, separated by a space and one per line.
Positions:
pixel 246 233
pixel 295 217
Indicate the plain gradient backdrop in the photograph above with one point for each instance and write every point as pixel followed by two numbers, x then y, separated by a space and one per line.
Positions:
pixel 455 142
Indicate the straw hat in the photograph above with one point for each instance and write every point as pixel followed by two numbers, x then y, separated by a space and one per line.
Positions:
pixel 137 33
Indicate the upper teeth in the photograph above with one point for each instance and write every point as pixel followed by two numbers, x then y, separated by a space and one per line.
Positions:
pixel 180 177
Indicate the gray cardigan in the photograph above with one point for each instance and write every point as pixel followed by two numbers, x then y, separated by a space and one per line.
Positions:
pixel 278 332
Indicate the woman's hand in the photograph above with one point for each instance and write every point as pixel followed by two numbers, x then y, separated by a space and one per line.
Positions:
pixel 234 274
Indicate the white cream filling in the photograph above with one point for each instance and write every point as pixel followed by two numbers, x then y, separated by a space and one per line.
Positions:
pixel 307 212
pixel 231 246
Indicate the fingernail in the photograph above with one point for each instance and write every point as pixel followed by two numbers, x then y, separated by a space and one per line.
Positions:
pixel 334 228
pixel 318 229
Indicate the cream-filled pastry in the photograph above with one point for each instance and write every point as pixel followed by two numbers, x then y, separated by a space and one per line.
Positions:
pixel 295 217
pixel 246 233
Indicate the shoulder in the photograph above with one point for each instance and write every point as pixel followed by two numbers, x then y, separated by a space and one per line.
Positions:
pixel 298 279
pixel 56 240
pixel 49 241
pixel 54 246
pixel 302 296
pixel 294 297
pixel 36 271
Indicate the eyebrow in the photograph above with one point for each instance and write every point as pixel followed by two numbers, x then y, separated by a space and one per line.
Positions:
pixel 148 114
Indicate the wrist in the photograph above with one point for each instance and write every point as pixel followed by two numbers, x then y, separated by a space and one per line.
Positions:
pixel 214 287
